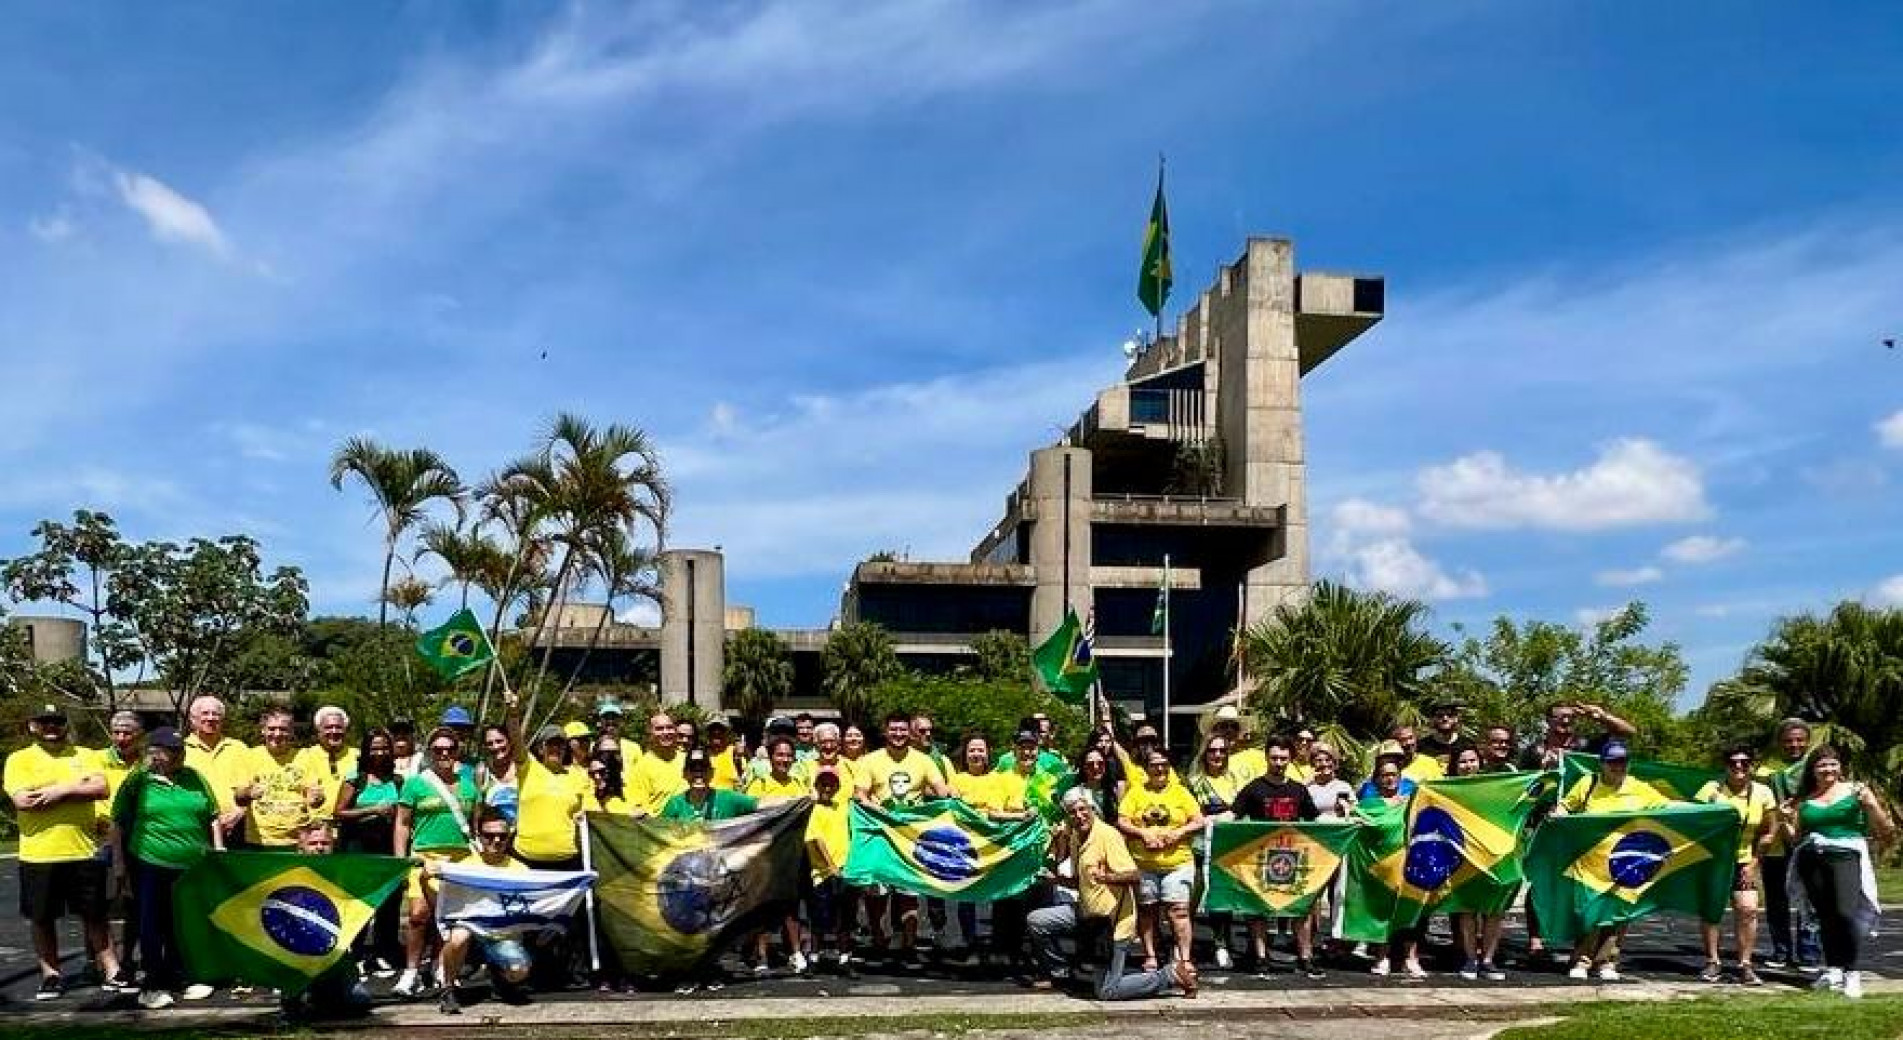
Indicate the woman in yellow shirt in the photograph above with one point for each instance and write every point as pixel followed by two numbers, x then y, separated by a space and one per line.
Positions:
pixel 1000 796
pixel 605 793
pixel 1757 811
pixel 780 784
pixel 1158 818
pixel 550 796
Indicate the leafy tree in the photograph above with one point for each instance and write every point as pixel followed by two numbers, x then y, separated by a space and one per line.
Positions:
pixel 403 484
pixel 856 659
pixel 1001 655
pixel 73 566
pixel 757 675
pixel 189 608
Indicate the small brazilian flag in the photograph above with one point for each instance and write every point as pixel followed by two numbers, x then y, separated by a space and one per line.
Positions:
pixel 1679 783
pixel 1589 870
pixel 1376 860
pixel 1463 844
pixel 673 893
pixel 945 849
pixel 1065 662
pixel 1154 280
pixel 1273 869
pixel 274 919
pixel 458 646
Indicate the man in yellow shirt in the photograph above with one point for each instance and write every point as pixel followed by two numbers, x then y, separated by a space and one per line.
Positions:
pixel 1414 765
pixel 224 762
pixel 1105 878
pixel 655 775
pixel 1609 790
pixel 508 959
pixel 609 717
pixel 331 759
pixel 53 786
pixel 283 791
pixel 904 775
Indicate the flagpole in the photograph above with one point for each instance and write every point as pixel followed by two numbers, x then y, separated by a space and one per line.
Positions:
pixel 495 668
pixel 1160 299
pixel 587 843
pixel 1167 652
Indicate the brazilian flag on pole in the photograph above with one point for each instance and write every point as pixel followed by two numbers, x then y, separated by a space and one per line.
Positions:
pixel 1065 663
pixel 1679 783
pixel 274 919
pixel 1463 843
pixel 1589 870
pixel 1376 860
pixel 1154 280
pixel 458 646
pixel 945 849
pixel 1273 869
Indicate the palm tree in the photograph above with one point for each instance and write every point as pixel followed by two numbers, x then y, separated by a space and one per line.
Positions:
pixel 474 559
pixel 408 595
pixel 625 571
pixel 857 658
pixel 403 484
pixel 1358 660
pixel 758 673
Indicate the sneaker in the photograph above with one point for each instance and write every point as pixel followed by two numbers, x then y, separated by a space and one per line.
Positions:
pixel 1853 985
pixel 447 1003
pixel 761 970
pixel 1492 972
pixel 1778 959
pixel 1414 970
pixel 797 962
pixel 51 988
pixel 685 988
pixel 196 991
pixel 1380 967
pixel 122 982
pixel 1713 972
pixel 408 984
pixel 241 989
pixel 1308 969
pixel 1470 971
pixel 1224 959
pixel 382 969
pixel 1831 980
pixel 1609 972
pixel 154 999
pixel 1579 970
pixel 1748 976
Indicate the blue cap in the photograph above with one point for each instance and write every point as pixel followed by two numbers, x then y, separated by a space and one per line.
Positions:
pixel 1615 751
pixel 457 715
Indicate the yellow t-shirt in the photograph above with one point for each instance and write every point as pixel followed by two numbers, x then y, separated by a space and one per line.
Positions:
pixel 1588 794
pixel 828 837
pixel 226 767
pixel 1104 847
pixel 651 781
pixel 903 780
pixel 991 792
pixel 1422 768
pixel 284 805
pixel 766 789
pixel 1169 808
pixel 726 773
pixel 1134 775
pixel 1247 764
pixel 615 805
pixel 1751 807
pixel 65 830
pixel 116 770
pixel 810 767
pixel 546 804
pixel 1301 772
pixel 330 773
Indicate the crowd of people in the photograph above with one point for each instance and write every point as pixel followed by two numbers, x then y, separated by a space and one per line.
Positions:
pixel 119 825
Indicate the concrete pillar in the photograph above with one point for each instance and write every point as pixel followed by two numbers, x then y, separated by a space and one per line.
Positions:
pixel 693 626
pixel 1059 490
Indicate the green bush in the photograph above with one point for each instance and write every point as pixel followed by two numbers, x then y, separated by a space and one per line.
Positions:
pixel 959 705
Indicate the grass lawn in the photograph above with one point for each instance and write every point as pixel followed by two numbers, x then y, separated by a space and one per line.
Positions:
pixel 1890 885
pixel 1736 1018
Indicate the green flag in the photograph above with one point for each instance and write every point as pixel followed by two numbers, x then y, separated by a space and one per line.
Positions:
pixel 1160 614
pixel 673 893
pixel 1065 663
pixel 1273 869
pixel 1589 870
pixel 1679 783
pixel 1375 860
pixel 457 646
pixel 1154 280
pixel 1463 844
pixel 945 849
pixel 275 919
pixel 1784 780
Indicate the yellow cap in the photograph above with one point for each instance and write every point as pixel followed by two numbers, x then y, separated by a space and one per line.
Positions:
pixel 576 729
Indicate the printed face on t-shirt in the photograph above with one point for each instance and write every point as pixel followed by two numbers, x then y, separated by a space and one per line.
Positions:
pixel 900 782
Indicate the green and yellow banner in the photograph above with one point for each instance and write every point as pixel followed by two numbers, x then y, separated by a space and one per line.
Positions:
pixel 1679 783
pixel 1273 869
pixel 945 849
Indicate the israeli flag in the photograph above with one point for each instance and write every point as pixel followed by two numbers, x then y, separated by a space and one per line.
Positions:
pixel 498 903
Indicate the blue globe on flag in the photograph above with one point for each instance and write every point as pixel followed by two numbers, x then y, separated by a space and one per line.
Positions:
pixel 302 920
pixel 946 853
pixel 1637 858
pixel 1433 849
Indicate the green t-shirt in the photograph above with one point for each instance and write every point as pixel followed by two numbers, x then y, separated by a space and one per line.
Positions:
pixel 374 792
pixel 432 825
pixel 720 805
pixel 171 820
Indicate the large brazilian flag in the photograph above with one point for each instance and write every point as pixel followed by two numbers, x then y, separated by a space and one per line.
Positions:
pixel 1273 869
pixel 1679 783
pixel 276 919
pixel 1376 859
pixel 673 892
pixel 1589 870
pixel 946 849
pixel 1463 844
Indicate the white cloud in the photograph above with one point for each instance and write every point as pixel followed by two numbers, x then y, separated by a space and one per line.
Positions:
pixel 1701 548
pixel 1630 576
pixel 1633 481
pixel 1890 431
pixel 170 216
pixel 53 228
pixel 1889 592
pixel 1591 617
pixel 1370 541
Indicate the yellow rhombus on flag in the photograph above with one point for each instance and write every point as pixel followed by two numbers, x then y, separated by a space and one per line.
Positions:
pixel 1273 868
pixel 1632 858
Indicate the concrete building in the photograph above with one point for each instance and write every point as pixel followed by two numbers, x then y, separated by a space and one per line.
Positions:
pixel 52 639
pixel 1195 455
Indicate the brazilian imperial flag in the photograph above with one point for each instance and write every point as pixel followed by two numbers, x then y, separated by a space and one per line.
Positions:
pixel 1065 662
pixel 1463 844
pixel 1376 859
pixel 456 647
pixel 946 849
pixel 1155 278
pixel 1273 869
pixel 1589 870
pixel 275 919
pixel 674 892
pixel 1679 783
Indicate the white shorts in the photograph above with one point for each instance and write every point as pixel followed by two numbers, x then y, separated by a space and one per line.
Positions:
pixel 1166 886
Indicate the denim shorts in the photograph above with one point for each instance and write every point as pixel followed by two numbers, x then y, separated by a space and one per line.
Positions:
pixel 1166 886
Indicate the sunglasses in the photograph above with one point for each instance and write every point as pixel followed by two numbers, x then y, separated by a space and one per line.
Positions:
pixel 1217 750
pixel 442 750
pixel 487 836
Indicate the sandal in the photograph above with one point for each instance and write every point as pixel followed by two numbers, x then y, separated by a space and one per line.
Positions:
pixel 1185 975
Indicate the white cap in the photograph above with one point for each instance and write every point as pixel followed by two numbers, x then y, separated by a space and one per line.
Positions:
pixel 1227 713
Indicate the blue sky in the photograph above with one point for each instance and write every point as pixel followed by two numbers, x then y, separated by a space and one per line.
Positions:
pixel 849 263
